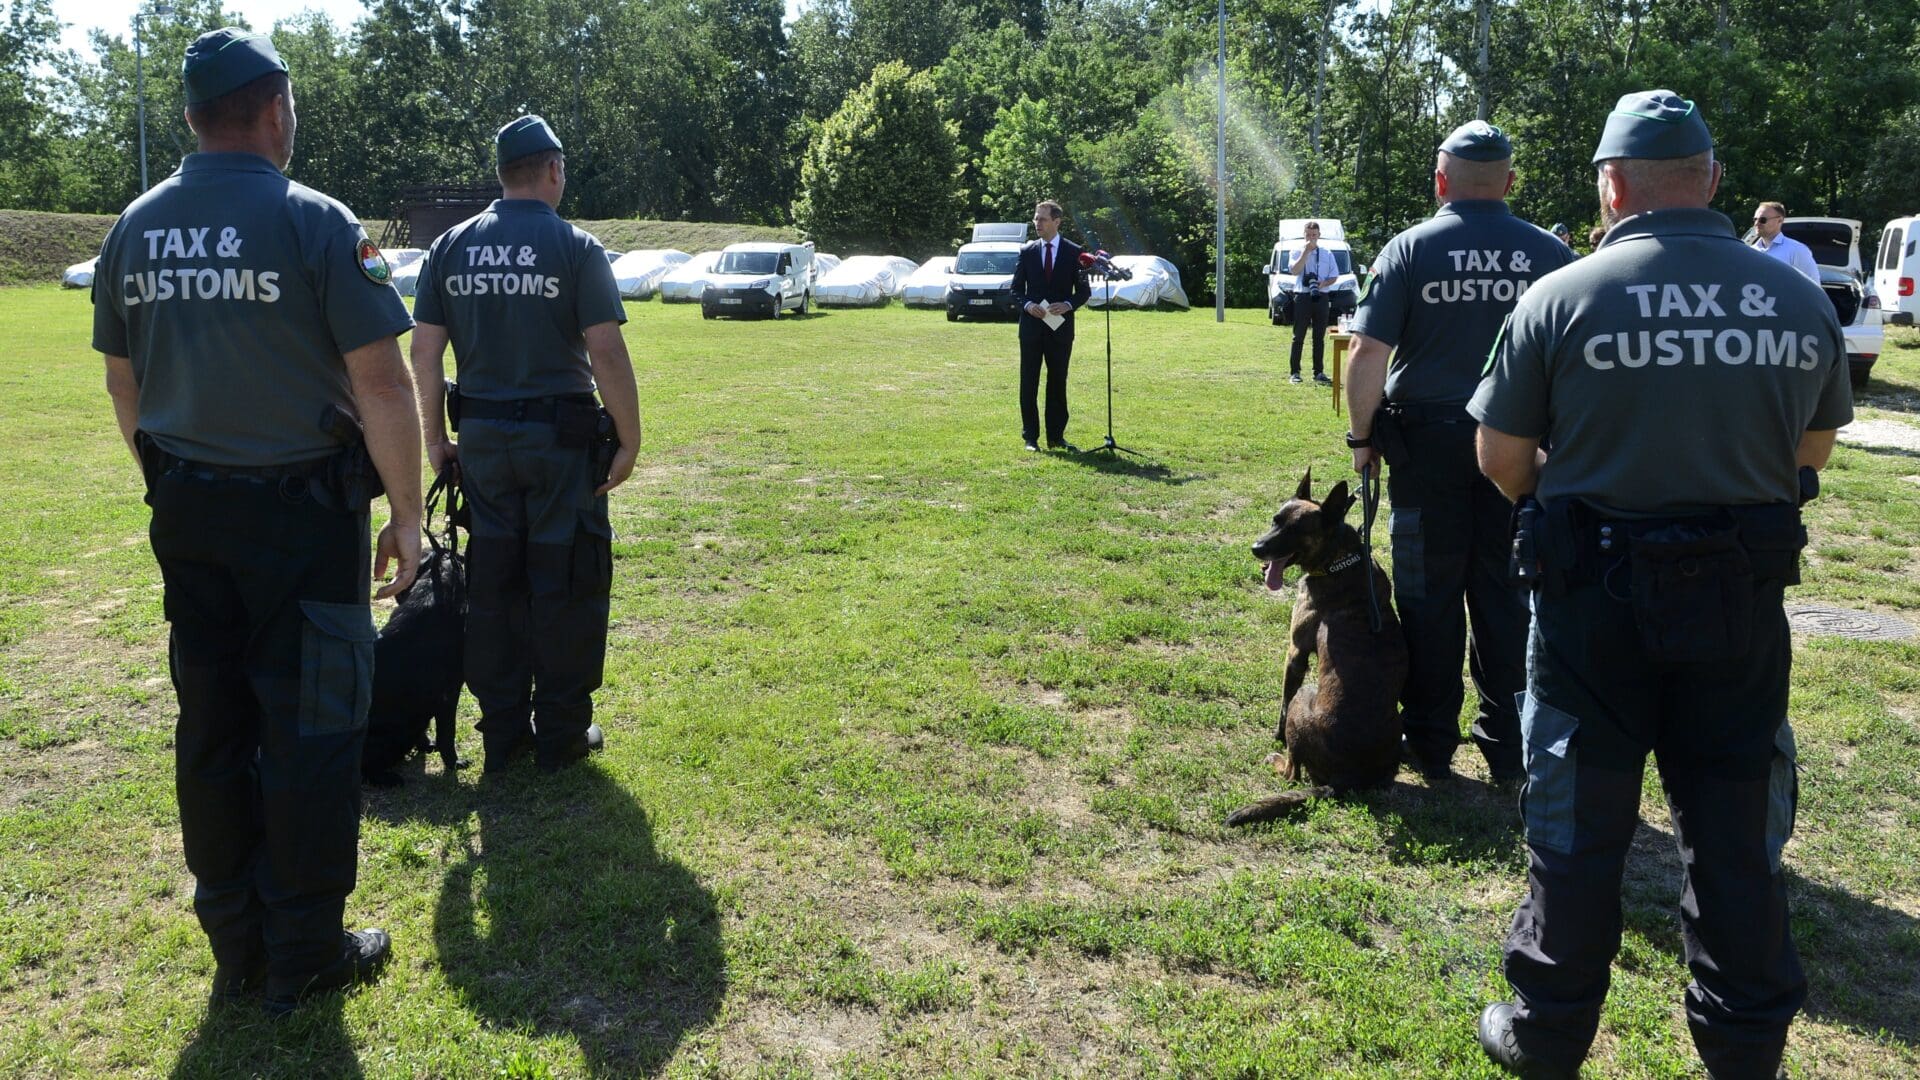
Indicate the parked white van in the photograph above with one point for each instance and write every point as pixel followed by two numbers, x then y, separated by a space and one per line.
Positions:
pixel 981 281
pixel 1343 291
pixel 1896 268
pixel 760 278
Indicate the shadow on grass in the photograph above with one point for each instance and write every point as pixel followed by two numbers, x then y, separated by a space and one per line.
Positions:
pixel 1862 959
pixel 239 1040
pixel 1132 464
pixel 562 918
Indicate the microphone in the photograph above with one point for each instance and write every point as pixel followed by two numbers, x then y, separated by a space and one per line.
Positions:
pixel 1100 264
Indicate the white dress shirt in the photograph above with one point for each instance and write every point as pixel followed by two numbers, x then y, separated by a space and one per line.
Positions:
pixel 1792 252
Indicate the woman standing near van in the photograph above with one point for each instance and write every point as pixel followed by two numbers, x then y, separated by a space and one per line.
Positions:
pixel 1312 271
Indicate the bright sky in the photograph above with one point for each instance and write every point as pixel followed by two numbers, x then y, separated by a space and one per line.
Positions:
pixel 116 16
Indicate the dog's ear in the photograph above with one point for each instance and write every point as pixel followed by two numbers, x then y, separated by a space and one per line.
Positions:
pixel 1305 491
pixel 1335 506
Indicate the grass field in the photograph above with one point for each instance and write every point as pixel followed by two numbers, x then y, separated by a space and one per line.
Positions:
pixel 918 751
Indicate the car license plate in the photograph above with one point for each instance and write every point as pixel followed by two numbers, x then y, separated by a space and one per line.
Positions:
pixel 730 300
pixel 983 302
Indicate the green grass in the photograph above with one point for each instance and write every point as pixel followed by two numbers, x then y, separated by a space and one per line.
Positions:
pixel 918 749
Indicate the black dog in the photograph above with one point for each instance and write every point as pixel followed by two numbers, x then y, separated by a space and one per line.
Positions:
pixel 1344 731
pixel 417 659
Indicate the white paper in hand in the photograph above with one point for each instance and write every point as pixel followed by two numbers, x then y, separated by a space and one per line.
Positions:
pixel 1053 321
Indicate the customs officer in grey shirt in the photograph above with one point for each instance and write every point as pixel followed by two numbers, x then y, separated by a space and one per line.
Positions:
pixel 249 331
pixel 1435 302
pixel 530 307
pixel 1688 387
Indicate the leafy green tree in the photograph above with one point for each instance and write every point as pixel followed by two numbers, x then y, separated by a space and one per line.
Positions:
pixel 1026 160
pixel 883 172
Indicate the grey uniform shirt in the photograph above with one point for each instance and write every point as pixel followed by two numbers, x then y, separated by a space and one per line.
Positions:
pixel 1673 370
pixel 1440 291
pixel 235 291
pixel 516 287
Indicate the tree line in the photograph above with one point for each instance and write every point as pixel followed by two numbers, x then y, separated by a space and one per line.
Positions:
pixel 889 125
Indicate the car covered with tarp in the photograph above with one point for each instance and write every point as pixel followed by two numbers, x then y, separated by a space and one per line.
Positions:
pixel 638 273
pixel 863 281
pixel 684 283
pixel 1155 282
pixel 927 286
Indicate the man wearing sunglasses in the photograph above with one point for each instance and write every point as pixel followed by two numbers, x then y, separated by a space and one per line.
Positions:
pixel 1768 218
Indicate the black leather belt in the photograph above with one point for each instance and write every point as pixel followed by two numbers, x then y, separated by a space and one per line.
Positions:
pixel 539 410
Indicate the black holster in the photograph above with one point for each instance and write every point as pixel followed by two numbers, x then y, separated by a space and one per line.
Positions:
pixel 453 406
pixel 350 477
pixel 606 444
pixel 150 461
pixel 1389 435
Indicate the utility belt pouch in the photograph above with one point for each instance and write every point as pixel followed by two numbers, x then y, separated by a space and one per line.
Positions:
pixel 575 422
pixel 1693 590
pixel 453 406
pixel 350 476
pixel 1523 563
pixel 1389 434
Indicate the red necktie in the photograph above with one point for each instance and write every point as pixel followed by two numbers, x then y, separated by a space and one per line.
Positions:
pixel 1046 260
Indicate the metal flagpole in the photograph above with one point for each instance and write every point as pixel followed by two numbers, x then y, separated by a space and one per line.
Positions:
pixel 1220 183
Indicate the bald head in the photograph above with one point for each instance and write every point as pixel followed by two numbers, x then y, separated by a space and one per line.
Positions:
pixel 1456 177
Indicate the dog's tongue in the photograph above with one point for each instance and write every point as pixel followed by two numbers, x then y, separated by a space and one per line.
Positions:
pixel 1276 571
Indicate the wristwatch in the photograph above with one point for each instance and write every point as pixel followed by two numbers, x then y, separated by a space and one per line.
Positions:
pixel 1355 443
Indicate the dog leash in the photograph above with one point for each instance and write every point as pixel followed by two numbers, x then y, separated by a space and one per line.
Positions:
pixel 1369 506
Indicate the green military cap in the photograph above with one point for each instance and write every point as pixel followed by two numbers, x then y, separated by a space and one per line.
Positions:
pixel 1477 140
pixel 224 60
pixel 1653 124
pixel 527 135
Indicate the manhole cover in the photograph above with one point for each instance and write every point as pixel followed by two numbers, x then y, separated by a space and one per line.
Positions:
pixel 1842 622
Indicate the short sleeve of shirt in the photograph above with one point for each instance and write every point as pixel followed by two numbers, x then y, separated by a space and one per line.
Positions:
pixel 109 323
pixel 359 310
pixel 597 298
pixel 1512 397
pixel 1385 300
pixel 426 290
pixel 1835 406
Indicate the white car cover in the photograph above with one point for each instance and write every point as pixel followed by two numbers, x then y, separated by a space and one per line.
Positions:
pixel 862 281
pixel 927 286
pixel 638 273
pixel 684 283
pixel 406 279
pixel 1155 281
pixel 399 257
pixel 79 275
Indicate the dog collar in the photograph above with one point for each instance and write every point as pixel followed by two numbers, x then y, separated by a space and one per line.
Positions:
pixel 1344 563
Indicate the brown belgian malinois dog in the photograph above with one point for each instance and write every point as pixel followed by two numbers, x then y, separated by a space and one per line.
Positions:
pixel 1344 731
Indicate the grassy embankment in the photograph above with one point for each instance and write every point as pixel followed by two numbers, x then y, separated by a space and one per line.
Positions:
pixel 35 247
pixel 918 749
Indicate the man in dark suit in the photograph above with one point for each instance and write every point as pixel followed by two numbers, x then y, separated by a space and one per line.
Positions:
pixel 1048 282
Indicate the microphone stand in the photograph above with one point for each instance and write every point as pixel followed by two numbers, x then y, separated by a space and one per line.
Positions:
pixel 1110 446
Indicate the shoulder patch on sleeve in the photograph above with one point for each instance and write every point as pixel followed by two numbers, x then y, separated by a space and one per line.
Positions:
pixel 372 263
pixel 1493 354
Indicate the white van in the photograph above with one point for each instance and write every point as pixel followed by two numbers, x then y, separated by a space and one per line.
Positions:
pixel 981 281
pixel 1343 291
pixel 1896 268
pixel 760 278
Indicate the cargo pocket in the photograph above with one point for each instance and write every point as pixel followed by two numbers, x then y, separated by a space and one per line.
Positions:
pixel 1546 804
pixel 1409 553
pixel 336 667
pixel 1783 794
pixel 590 563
